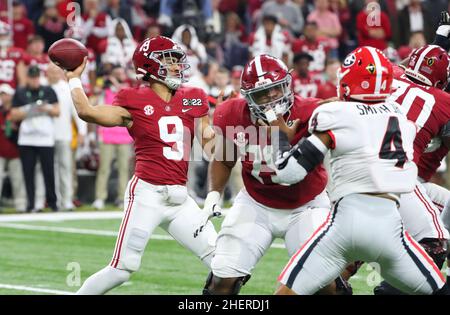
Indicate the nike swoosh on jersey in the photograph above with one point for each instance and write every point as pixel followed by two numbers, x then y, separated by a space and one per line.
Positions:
pixel 184 110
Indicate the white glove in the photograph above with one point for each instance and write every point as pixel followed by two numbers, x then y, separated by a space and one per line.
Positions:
pixel 444 24
pixel 210 209
pixel 291 172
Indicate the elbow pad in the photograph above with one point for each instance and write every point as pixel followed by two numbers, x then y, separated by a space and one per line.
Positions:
pixel 308 153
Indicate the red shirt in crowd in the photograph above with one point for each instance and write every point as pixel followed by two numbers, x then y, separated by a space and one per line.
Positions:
pixel 364 23
pixel 23 29
pixel 318 50
pixel 305 87
pixel 8 149
pixel 326 90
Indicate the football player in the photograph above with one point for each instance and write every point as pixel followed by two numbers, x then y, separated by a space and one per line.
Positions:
pixel 160 116
pixel 12 67
pixel 263 210
pixel 371 147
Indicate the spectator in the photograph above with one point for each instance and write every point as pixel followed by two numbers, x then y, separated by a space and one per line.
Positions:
pixel 153 30
pixel 120 44
pixel 36 57
pixel 35 106
pixel 140 19
pixel 303 83
pixel 23 27
pixel 235 80
pixel 9 152
pixel 221 83
pixel 270 39
pixel 317 47
pixel 63 137
pixel 96 25
pixel 329 88
pixel 416 40
pixel 288 14
pixel 415 18
pixel 186 36
pixel 373 30
pixel 234 45
pixel 119 9
pixel 13 69
pixel 327 22
pixel 114 143
pixel 51 26
pixel 192 12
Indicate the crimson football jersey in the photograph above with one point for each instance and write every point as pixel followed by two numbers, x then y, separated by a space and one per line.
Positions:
pixel 9 59
pixel 428 107
pixel 162 131
pixel 257 154
pixel 305 87
pixel 41 61
pixel 318 50
pixel 429 162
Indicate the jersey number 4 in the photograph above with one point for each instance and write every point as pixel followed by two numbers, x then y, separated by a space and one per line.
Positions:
pixel 393 136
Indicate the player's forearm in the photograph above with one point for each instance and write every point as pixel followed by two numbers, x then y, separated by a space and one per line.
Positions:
pixel 218 175
pixel 83 107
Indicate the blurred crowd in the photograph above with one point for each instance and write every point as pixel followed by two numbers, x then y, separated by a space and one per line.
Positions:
pixel 45 149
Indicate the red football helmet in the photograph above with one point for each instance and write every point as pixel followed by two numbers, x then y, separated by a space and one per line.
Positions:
pixel 155 57
pixel 267 84
pixel 430 66
pixel 365 75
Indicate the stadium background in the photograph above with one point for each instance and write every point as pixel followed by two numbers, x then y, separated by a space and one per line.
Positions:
pixel 219 37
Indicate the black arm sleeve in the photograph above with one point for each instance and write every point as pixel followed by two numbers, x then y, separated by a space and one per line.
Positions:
pixel 442 41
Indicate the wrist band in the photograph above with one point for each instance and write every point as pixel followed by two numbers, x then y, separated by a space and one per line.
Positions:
pixel 75 83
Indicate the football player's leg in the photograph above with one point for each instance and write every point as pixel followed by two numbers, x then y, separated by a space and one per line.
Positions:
pixel 422 220
pixel 318 262
pixel 243 239
pixel 441 198
pixel 303 224
pixel 182 225
pixel 409 268
pixel 143 212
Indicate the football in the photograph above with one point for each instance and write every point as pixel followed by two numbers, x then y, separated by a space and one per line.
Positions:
pixel 67 53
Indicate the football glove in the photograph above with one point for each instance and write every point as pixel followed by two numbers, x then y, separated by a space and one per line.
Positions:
pixel 210 209
pixel 444 24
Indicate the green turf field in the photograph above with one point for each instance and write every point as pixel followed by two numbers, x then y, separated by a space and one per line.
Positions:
pixel 38 257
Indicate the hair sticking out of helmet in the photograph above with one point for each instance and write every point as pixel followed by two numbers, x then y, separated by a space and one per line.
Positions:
pixel 162 60
pixel 429 65
pixel 365 75
pixel 267 85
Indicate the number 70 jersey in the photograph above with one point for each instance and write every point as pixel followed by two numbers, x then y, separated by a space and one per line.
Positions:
pixel 372 147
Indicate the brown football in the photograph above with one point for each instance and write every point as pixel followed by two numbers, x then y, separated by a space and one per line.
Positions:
pixel 67 53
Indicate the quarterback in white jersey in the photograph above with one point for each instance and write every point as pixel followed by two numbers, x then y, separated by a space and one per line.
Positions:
pixel 371 146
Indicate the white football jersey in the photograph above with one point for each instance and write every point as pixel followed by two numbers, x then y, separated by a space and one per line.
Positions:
pixel 372 147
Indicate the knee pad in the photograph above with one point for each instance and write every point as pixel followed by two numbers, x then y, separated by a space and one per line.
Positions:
pixel 436 249
pixel 224 286
pixel 134 249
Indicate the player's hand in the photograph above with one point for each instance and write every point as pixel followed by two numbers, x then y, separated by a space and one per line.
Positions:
pixel 290 130
pixel 77 72
pixel 444 24
pixel 210 209
pixel 288 171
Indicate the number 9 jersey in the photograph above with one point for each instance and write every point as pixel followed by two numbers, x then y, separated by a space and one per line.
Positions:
pixel 163 131
pixel 372 147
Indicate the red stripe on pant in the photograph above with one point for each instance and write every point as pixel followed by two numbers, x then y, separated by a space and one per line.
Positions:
pixel 291 261
pixel 123 226
pixel 425 255
pixel 431 211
